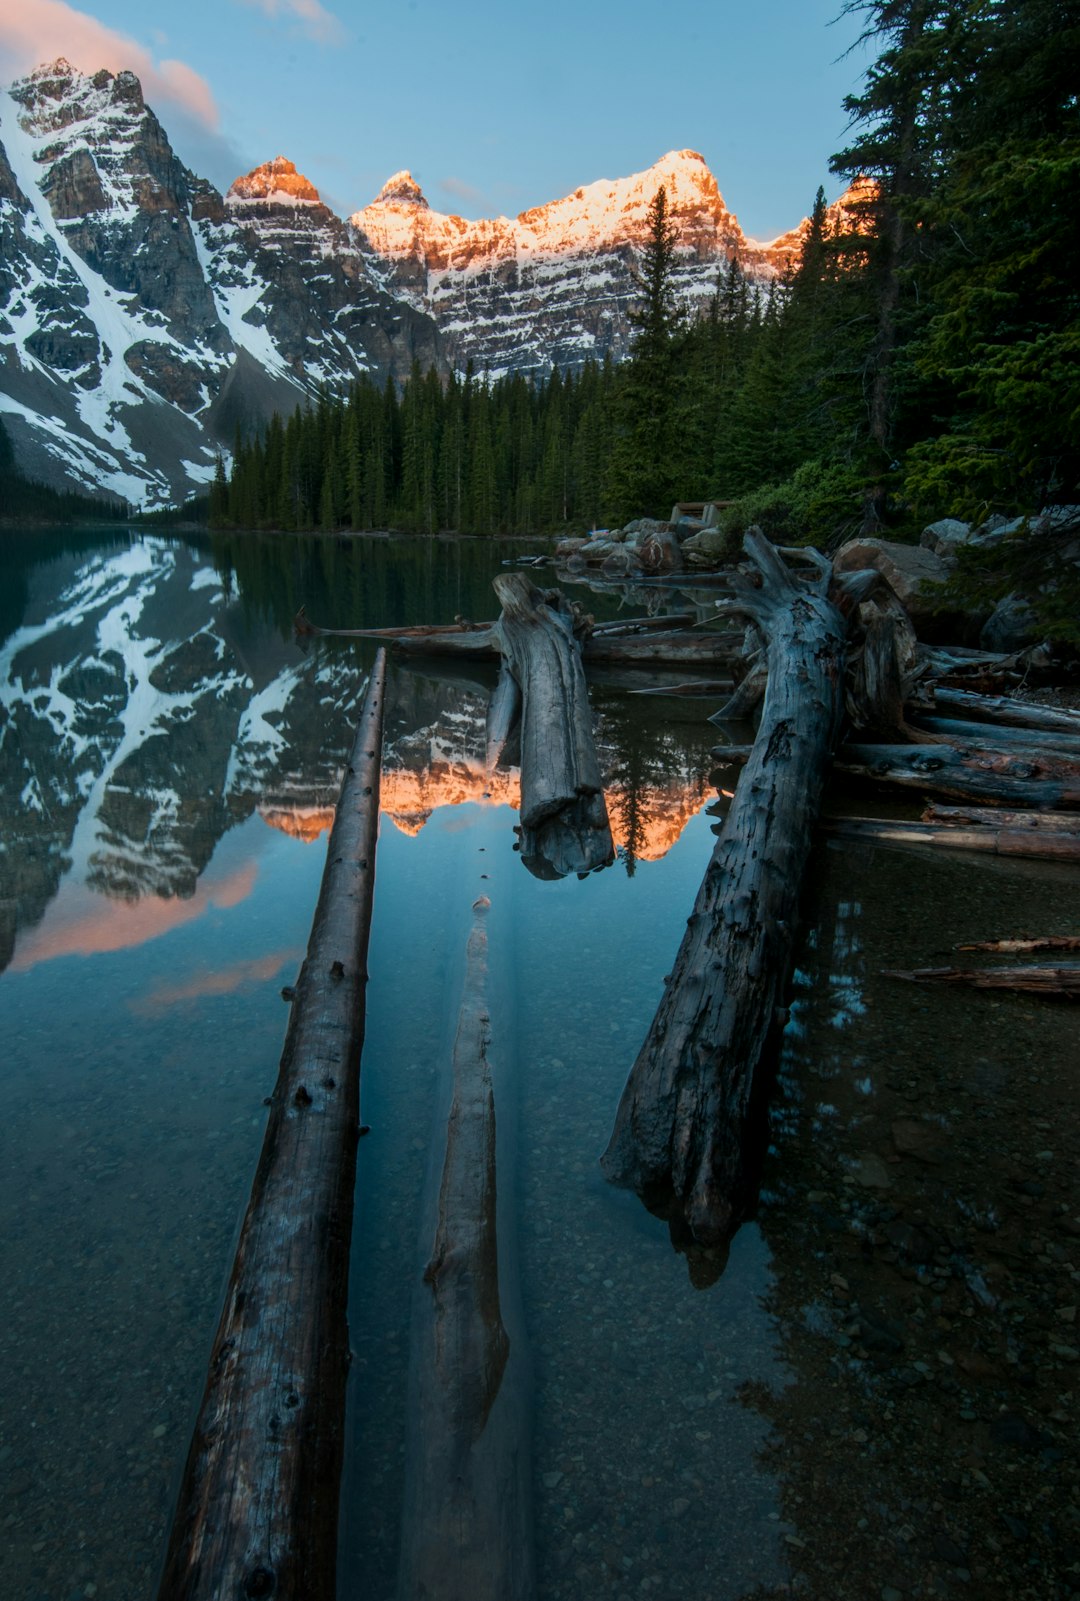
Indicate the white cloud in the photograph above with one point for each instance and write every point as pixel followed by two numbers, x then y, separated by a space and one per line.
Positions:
pixel 314 20
pixel 36 31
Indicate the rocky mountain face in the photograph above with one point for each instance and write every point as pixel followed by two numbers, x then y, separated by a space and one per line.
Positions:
pixel 144 316
pixel 557 283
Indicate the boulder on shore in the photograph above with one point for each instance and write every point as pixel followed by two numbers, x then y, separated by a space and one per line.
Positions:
pixel 912 572
pixel 708 548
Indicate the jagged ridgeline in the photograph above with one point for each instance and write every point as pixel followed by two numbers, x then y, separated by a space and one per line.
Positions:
pixel 144 315
pixel 908 353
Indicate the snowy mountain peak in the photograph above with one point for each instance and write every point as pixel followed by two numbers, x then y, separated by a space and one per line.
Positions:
pixel 276 181
pixel 401 190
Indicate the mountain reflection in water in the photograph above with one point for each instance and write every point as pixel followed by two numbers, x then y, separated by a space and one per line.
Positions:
pixel 878 1394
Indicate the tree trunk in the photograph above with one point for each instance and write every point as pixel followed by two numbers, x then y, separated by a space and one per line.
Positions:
pixel 564 821
pixel 258 1505
pixel 679 1132
pixel 467 1523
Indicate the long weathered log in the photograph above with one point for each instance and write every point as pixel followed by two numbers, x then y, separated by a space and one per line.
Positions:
pixel 1019 780
pixel 678 1137
pixel 629 647
pixel 564 821
pixel 1059 982
pixel 1003 709
pixel 467 1522
pixel 1009 737
pixel 1048 845
pixel 258 1505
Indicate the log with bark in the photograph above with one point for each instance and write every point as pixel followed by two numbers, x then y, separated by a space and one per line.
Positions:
pixel 679 1134
pixel 1048 845
pixel 1021 780
pixel 467 1527
pixel 564 821
pixel 1061 983
pixel 258 1504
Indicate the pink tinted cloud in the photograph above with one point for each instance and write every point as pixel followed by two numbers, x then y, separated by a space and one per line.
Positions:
pixel 36 31
pixel 314 20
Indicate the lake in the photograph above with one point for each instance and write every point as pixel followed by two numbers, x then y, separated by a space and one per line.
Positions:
pixel 874 1395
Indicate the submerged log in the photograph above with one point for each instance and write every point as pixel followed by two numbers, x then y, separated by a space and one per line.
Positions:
pixel 678 1138
pixel 1058 982
pixel 467 1522
pixel 564 821
pixel 258 1504
pixel 1049 845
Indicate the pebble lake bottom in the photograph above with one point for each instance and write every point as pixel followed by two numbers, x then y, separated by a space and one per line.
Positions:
pixel 875 1396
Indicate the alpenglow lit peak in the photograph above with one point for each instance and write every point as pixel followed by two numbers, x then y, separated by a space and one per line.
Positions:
pixel 402 190
pixel 277 181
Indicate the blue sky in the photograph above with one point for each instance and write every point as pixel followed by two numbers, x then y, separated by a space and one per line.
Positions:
pixel 493 107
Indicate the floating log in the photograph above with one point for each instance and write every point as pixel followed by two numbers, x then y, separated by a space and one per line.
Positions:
pixel 467 1528
pixel 1001 817
pixel 700 689
pixel 631 644
pixel 628 625
pixel 564 821
pixel 258 1505
pixel 1003 709
pixel 1048 845
pixel 678 1138
pixel 1058 982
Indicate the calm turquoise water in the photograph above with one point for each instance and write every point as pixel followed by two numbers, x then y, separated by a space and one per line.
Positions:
pixel 876 1392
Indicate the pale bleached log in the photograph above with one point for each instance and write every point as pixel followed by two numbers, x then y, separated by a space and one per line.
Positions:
pixel 564 821
pixel 258 1505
